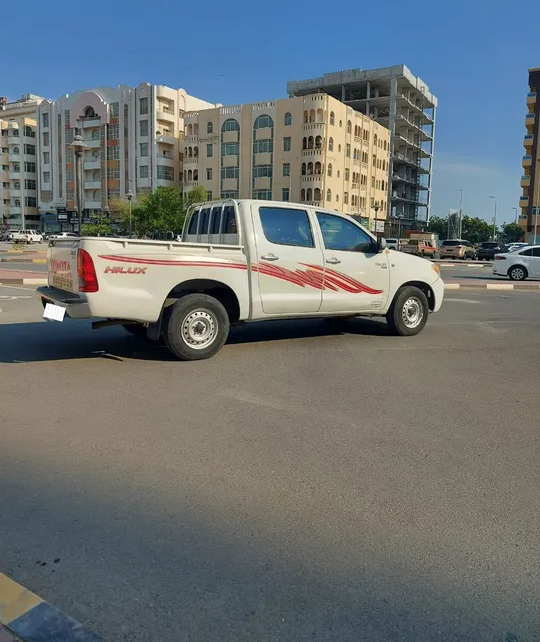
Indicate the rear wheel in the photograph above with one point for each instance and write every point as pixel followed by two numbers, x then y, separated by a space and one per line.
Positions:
pixel 409 311
pixel 196 327
pixel 518 273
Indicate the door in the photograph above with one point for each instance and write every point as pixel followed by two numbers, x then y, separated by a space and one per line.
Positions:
pixel 356 279
pixel 286 248
pixel 534 262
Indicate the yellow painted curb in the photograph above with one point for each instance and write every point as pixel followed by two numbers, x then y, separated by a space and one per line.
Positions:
pixel 39 261
pixel 15 600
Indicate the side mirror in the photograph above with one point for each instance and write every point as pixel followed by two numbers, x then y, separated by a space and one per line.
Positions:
pixel 381 244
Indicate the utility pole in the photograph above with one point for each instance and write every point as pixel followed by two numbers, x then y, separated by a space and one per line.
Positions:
pixel 494 218
pixel 515 219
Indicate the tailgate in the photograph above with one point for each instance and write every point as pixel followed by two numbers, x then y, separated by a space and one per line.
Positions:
pixel 62 264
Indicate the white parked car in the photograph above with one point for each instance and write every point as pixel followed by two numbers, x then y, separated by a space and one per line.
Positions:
pixel 392 244
pixel 239 260
pixel 516 246
pixel 520 264
pixel 64 235
pixel 27 236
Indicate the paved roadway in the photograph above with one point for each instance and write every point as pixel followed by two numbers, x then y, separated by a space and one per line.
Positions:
pixel 303 485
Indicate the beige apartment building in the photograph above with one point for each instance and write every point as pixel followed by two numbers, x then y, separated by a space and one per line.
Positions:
pixel 308 149
pixel 529 202
pixel 18 185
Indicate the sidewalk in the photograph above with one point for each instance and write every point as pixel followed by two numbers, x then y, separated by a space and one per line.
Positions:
pixel 533 286
pixel 6 636
pixel 22 277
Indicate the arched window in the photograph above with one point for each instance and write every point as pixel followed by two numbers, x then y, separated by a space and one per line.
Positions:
pixel 17 202
pixel 319 115
pixel 310 169
pixel 341 123
pixel 311 115
pixel 189 175
pixel 356 130
pixel 330 144
pixel 329 169
pixel 16 185
pixel 190 130
pixel 195 152
pixel 302 194
pixel 263 121
pixel 339 148
pixel 337 198
pixel 185 176
pixel 375 140
pixel 16 168
pixel 210 128
pixel 95 195
pixel 16 150
pixel 306 116
pixel 230 125
pixel 338 173
pixel 384 145
pixel 349 125
pixel 384 164
pixel 95 134
pixel 310 142
pixel 96 176
pixel 332 118
pixel 89 112
pixel 196 129
pixel 304 143
pixel 309 194
pixel 318 142
pixel 329 194
pixel 316 194
pixel 195 174
pixel 317 168
pixel 287 120
pixel 303 169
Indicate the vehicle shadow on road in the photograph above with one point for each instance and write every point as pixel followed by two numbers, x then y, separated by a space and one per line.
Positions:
pixel 30 342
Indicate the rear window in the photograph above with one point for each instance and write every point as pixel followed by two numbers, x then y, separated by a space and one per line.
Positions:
pixel 489 245
pixel 452 243
pixel 193 223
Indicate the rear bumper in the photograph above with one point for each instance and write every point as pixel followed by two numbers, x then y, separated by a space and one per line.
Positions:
pixel 76 305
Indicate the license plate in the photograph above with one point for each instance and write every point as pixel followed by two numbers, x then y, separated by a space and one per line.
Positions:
pixel 54 312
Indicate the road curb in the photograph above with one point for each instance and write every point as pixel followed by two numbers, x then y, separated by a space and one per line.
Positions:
pixel 533 287
pixel 11 260
pixel 29 281
pixel 31 618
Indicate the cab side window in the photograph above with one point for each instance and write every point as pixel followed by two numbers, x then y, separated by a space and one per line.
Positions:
pixel 229 226
pixel 192 229
pixel 286 226
pixel 340 234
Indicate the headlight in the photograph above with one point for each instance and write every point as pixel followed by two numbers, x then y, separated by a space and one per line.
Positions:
pixel 435 268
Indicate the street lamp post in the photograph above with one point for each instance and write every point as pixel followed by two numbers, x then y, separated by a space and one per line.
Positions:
pixel 515 218
pixel 376 207
pixel 494 217
pixel 78 146
pixel 129 196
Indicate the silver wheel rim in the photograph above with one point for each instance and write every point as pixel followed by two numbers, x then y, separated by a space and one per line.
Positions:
pixel 199 329
pixel 412 312
pixel 518 273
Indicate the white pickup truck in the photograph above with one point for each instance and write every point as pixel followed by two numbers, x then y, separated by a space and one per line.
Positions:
pixel 239 260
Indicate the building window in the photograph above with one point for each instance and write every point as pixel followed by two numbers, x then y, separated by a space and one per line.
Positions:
pixel 45 139
pixel 45 119
pixel 331 144
pixel 113 153
pixel 337 198
pixel 29 167
pixel 208 173
pixel 347 150
pixel 113 132
pixel 114 109
pixel 264 146
pixel 332 118
pixel 230 149
pixel 165 173
pixel 30 201
pixel 230 172
pixel 345 198
pixel 111 174
pixel 209 149
pixel 348 127
pixel 328 194
pixel 30 183
pixel 329 169
pixel 286 169
pixel 144 149
pixel 15 150
pixel 143 127
pixel 208 194
pixel 341 123
pixel 317 195
pixel 318 142
pixel 262 194
pixel 347 174
pixel 30 150
pixel 287 144
pixel 143 106
pixel 285 194
pixel 302 194
pixel 287 121
pixel 210 128
pixel 230 125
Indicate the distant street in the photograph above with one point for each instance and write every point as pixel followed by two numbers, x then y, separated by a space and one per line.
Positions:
pixel 306 484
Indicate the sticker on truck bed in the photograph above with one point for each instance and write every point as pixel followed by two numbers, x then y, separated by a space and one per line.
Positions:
pixel 61 274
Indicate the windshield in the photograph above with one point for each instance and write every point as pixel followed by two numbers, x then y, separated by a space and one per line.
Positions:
pixel 452 243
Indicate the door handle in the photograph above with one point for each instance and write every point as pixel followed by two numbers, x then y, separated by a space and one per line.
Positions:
pixel 270 257
pixel 333 261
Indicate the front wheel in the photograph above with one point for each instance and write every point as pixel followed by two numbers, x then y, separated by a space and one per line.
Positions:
pixel 409 312
pixel 196 327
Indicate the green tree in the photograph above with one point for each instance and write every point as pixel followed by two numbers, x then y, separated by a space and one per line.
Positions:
pixel 476 230
pixel 100 225
pixel 196 194
pixel 438 225
pixel 511 232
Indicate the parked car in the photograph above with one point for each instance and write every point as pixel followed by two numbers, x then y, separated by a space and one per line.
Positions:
pixel 457 249
pixel 512 247
pixel 488 249
pixel 518 265
pixel 421 248
pixel 64 235
pixel 6 236
pixel 239 261
pixel 392 244
pixel 27 236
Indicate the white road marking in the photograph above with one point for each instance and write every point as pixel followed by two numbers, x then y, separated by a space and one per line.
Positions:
pixel 5 297
pixel 17 287
pixel 464 301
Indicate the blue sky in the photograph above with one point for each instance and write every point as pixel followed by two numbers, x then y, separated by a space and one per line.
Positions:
pixel 473 55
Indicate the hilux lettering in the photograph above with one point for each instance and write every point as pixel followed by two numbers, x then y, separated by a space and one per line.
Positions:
pixel 123 270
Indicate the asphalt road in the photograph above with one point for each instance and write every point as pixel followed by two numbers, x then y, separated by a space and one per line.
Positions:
pixel 306 484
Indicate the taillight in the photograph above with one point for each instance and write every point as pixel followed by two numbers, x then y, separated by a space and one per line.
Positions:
pixel 500 258
pixel 459 247
pixel 87 272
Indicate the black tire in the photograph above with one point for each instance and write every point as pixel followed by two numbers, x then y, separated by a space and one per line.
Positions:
pixel 518 273
pixel 180 333
pixel 136 330
pixel 408 297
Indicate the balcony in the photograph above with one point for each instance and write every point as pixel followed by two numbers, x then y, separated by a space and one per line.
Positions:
pixel 528 140
pixel 229 161
pixel 232 184
pixel 192 139
pixel 13 157
pixel 531 99
pixel 167 139
pixel 230 137
pixel 313 152
pixel 311 178
pixel 523 201
pixel 13 175
pixel 313 203
pixel 92 184
pixel 192 160
pixel 15 191
pixel 529 120
pixel 526 161
pixel 262 158
pixel 166 159
pixel 525 180
pixel 163 113
pixel 15 210
pixel 13 140
pixel 93 164
pixel 93 143
pixel 91 122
